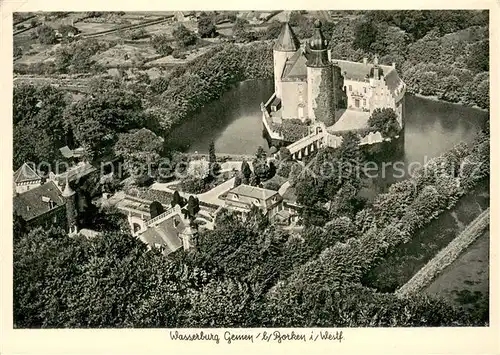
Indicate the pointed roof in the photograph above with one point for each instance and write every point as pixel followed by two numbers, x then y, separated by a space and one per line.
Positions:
pixel 295 67
pixel 287 41
pixel 25 173
pixel 67 190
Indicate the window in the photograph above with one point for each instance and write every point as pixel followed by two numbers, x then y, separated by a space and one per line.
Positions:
pixel 350 87
pixel 364 102
pixel 364 89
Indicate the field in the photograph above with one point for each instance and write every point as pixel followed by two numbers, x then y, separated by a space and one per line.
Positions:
pixel 89 27
pixel 38 53
pixel 124 54
pixel 169 60
pixel 466 281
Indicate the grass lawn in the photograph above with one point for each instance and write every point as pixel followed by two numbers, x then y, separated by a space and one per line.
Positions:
pixel 466 281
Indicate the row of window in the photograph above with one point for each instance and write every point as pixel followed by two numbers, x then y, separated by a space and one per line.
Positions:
pixel 364 88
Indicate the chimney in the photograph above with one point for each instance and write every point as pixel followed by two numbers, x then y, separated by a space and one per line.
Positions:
pixel 329 55
pixel 365 60
pixel 394 65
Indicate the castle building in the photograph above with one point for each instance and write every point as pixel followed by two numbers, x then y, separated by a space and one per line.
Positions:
pixel 45 206
pixel 338 95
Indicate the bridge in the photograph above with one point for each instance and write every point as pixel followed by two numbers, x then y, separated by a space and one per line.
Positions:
pixel 317 138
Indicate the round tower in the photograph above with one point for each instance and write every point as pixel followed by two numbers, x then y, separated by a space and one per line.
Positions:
pixel 71 211
pixel 284 48
pixel 320 86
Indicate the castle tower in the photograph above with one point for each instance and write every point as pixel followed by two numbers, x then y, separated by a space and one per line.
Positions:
pixel 71 211
pixel 286 45
pixel 320 86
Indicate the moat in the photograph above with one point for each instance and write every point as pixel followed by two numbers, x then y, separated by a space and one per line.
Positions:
pixel 234 124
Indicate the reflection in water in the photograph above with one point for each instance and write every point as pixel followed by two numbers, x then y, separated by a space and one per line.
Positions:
pixel 233 122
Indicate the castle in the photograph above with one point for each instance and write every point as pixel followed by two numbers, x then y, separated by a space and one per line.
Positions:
pixel 328 96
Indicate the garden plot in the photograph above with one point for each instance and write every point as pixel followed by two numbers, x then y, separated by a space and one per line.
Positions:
pixel 123 55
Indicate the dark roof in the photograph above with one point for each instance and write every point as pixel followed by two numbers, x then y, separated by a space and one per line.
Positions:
pixel 287 41
pixel 25 173
pixel 360 71
pixel 166 233
pixel 289 195
pixel 30 204
pixel 295 67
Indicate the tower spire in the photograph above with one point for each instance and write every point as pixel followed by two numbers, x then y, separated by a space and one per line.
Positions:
pixel 287 41
pixel 67 189
pixel 317 48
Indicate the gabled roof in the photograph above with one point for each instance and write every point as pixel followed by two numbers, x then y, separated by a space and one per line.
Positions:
pixel 360 71
pixel 25 173
pixel 287 41
pixel 34 203
pixel 295 67
pixel 166 233
pixel 248 195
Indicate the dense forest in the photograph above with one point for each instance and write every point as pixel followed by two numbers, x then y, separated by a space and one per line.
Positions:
pixel 251 274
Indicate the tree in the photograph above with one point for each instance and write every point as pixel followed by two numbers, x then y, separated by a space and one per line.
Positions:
pixel 365 34
pixel 206 26
pixel 96 119
pixel 161 44
pixel 255 180
pixel 482 94
pixel 246 171
pixel 428 83
pixel 237 180
pixel 285 154
pixel 68 30
pixel 385 121
pixel 45 34
pixel 478 56
pixel 211 153
pixel 39 124
pixel 193 206
pixel 177 199
pixel 139 149
pixel 241 32
pixel 183 36
pixel 156 209
pixel 449 86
